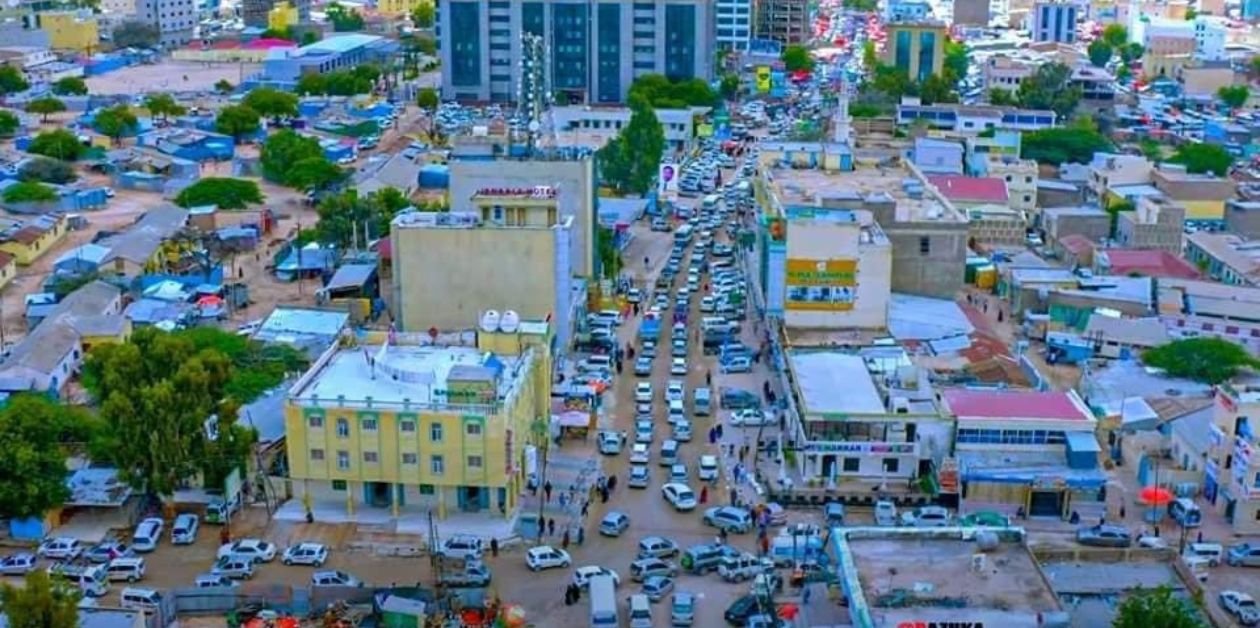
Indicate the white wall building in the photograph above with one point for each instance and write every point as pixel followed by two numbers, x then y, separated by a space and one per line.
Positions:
pixel 1054 21
pixel 1210 33
pixel 174 19
pixel 733 24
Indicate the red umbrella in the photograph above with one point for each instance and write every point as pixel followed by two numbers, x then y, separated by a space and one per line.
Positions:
pixel 1155 496
pixel 789 611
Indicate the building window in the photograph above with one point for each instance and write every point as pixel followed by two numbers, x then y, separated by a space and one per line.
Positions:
pixel 317 454
pixel 343 428
pixel 410 459
pixel 925 245
pixel 315 421
pixel 427 489
pixel 338 485
pixel 370 457
pixel 891 465
pixel 473 429
pixel 437 466
pixel 343 460
pixel 435 432
pixel 851 465
pixel 407 425
pixel 474 462
pixel 368 425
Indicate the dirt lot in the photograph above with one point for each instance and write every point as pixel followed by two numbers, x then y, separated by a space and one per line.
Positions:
pixel 177 76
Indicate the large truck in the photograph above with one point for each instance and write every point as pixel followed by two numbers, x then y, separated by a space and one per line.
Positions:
pixel 650 329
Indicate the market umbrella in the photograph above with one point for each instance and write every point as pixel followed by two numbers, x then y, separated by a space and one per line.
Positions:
pixel 789 611
pixel 1155 496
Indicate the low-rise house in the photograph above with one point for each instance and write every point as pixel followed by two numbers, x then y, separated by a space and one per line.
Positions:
pixel 1156 223
pixel 138 249
pixel 190 144
pixel 1088 221
pixel 30 239
pixel 1124 338
pixel 1202 195
pixel 48 357
pixel 1193 308
pixel 1144 262
pixel 1225 257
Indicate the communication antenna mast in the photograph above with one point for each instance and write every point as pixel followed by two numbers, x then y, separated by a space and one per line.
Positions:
pixel 534 99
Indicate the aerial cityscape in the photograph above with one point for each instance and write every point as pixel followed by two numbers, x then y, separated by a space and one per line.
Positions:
pixel 557 313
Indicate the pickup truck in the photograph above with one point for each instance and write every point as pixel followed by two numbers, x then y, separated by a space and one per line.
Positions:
pixel 472 576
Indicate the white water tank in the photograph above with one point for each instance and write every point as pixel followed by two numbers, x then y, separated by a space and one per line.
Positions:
pixel 490 320
pixel 510 322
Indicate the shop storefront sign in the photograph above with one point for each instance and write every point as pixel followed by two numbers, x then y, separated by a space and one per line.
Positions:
pixel 861 447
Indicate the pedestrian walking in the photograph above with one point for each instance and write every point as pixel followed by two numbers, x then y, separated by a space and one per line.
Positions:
pixel 708 378
pixel 1122 511
pixel 704 494
pixel 805 597
pixel 564 499
pixel 722 535
pixel 586 506
pixel 564 542
pixel 494 547
pixel 612 483
pixel 547 491
pixel 718 427
pixel 603 496
pixel 581 535
pixel 551 527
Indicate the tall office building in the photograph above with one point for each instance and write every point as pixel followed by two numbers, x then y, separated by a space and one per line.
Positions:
pixel 784 21
pixel 1054 21
pixel 173 19
pixel 734 24
pixel 916 48
pixel 594 48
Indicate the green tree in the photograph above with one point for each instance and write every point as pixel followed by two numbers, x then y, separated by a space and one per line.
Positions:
pixel 427 98
pixel 9 123
pixel 1155 608
pixel 893 83
pixel 1049 89
pixel 227 193
pixel 425 44
pixel 423 15
pixel 797 58
pixel 865 6
pixel 237 121
pixel 606 249
pixel 32 480
pixel 343 19
pixel 314 173
pixel 956 61
pixel 47 170
pixel 311 85
pixel 1099 53
pixel 135 34
pixel 1191 13
pixel 58 144
pixel 1233 96
pixel 309 37
pixel 116 121
pixel 12 80
pixel 283 150
pixel 272 103
pixel 29 192
pixel 1131 52
pixel 1060 145
pixel 1002 98
pixel 163 106
pixel 70 86
pixel 45 107
pixel 730 86
pixel 1207 360
pixel 1151 149
pixel 40 602
pixel 937 89
pixel 1253 66
pixel 866 110
pixel 1201 158
pixel 224 86
pixel 870 58
pixel 630 162
pixel 1115 35
pixel 662 93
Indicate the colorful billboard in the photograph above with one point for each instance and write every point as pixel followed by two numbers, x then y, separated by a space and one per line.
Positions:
pixel 763 79
pixel 667 178
pixel 814 285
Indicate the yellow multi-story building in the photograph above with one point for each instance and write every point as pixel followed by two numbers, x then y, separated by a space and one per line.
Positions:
pixel 1232 471
pixel 282 16
pixel 405 424
pixel 398 8
pixel 916 48
pixel 71 30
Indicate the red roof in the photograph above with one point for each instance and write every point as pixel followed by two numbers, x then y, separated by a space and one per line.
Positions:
pixel 1013 404
pixel 1076 243
pixel 1149 263
pixel 270 42
pixel 975 189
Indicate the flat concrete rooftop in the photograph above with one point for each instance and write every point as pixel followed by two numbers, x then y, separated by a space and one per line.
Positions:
pixel 932 579
pixel 835 383
pixel 401 374
pixel 810 187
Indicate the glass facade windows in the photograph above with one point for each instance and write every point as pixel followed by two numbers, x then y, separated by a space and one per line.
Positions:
pixel 533 18
pixel 466 49
pixel 1010 437
pixel 609 56
pixel 680 41
pixel 902 50
pixel 570 31
pixel 927 54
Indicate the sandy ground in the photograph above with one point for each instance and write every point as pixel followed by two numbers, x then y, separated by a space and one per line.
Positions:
pixel 169 75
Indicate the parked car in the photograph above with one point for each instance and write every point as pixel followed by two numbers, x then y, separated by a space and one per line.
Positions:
pixel 546 557
pixel 106 551
pixel 657 587
pixel 184 531
pixel 926 517
pixel 255 549
pixel 741 609
pixel 334 579
pixel 751 417
pixel 60 548
pixel 305 554
pixel 1104 535
pixel 657 547
pixel 1244 555
pixel 582 575
pixel 738 399
pixel 729 518
pixel 614 523
pixel 682 609
pixel 213 581
pixel 462 546
pixel 640 477
pixel 473 575
pixel 680 496
pixel 738 364
pixel 234 567
pixel 1242 606
pixel 644 568
pixel 18 564
pixel 639 454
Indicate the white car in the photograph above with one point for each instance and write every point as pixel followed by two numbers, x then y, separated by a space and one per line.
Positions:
pixel 463 546
pixel 1240 605
pixel 18 564
pixel 640 477
pixel 643 392
pixel 639 454
pixel 305 554
pixel 62 547
pixel 546 557
pixel 334 579
pixel 708 468
pixel 582 575
pixel 751 417
pixel 678 366
pixel 680 496
pixel 674 392
pixel 255 549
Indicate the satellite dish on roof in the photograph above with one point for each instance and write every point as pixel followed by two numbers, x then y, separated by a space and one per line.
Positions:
pixel 490 320
pixel 510 322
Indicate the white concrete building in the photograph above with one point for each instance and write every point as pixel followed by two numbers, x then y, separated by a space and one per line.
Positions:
pixel 733 24
pixel 174 19
pixel 1054 21
pixel 1210 33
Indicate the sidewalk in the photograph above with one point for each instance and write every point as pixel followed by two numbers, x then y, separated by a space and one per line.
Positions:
pixel 571 473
